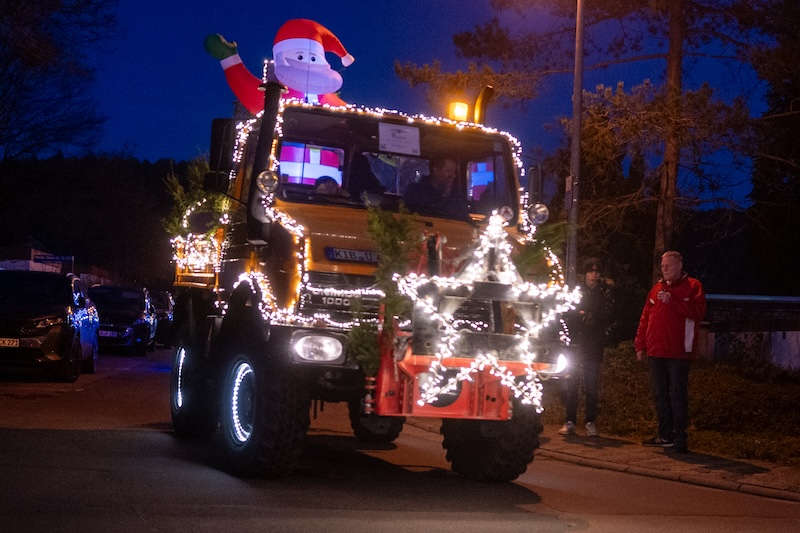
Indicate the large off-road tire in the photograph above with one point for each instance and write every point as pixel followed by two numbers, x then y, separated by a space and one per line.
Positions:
pixel 263 416
pixel 489 450
pixel 190 398
pixel 372 427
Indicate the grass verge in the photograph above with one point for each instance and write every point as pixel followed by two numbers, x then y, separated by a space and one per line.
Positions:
pixel 735 410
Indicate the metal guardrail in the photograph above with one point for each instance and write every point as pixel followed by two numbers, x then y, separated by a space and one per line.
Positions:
pixel 752 298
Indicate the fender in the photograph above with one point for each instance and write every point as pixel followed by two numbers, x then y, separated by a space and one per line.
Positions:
pixel 242 326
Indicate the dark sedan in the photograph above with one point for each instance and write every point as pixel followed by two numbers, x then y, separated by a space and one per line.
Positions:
pixel 127 317
pixel 46 322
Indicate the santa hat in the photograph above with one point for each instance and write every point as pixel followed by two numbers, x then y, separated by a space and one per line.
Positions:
pixel 305 33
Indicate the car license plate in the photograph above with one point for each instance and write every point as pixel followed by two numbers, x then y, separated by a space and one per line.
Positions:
pixel 9 343
pixel 103 333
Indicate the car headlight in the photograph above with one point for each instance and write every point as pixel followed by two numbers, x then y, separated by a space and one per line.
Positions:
pixel 318 348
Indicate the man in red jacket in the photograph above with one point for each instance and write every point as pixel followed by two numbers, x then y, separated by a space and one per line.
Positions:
pixel 666 334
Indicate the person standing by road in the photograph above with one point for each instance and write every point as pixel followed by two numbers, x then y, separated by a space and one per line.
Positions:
pixel 666 335
pixel 589 330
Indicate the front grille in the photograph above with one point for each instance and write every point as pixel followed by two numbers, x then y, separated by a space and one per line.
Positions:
pixel 315 300
pixel 325 293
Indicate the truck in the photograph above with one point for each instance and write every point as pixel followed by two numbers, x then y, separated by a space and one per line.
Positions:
pixel 267 302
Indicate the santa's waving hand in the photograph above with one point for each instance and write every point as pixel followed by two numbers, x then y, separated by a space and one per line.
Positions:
pixel 299 63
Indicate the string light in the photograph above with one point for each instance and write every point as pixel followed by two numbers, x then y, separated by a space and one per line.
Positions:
pixel 553 297
pixel 490 263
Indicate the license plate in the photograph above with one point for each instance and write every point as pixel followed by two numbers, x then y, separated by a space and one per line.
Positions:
pixel 355 256
pixel 107 333
pixel 9 343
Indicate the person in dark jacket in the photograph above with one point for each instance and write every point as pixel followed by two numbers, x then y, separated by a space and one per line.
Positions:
pixel 588 327
pixel 666 335
pixel 440 193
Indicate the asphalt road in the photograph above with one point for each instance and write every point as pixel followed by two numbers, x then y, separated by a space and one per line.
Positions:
pixel 98 455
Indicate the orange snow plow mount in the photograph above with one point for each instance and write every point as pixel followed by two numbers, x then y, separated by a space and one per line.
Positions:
pixel 483 398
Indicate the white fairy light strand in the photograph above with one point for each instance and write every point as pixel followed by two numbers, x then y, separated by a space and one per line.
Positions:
pixel 556 298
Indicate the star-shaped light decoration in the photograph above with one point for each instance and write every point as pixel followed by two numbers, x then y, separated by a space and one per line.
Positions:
pixel 489 269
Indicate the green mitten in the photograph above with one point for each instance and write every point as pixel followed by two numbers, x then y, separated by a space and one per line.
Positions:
pixel 218 47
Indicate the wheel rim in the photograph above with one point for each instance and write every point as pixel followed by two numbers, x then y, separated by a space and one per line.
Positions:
pixel 242 402
pixel 180 362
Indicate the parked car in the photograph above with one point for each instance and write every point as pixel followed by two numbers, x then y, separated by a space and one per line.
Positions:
pixel 163 303
pixel 47 323
pixel 127 317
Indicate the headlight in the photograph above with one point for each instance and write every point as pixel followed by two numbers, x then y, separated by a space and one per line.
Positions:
pixel 561 363
pixel 318 348
pixel 559 366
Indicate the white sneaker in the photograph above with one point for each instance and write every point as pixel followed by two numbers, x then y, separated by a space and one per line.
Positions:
pixel 567 429
pixel 591 429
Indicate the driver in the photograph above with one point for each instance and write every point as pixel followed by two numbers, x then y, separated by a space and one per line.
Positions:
pixel 438 193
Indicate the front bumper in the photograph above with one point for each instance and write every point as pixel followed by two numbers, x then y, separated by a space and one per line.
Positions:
pixel 37 351
pixel 122 336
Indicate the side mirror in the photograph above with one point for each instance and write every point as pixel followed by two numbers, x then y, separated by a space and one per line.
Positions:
pixel 258 225
pixel 538 214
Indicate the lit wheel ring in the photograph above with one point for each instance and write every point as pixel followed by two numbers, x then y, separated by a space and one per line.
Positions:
pixel 242 402
pixel 181 364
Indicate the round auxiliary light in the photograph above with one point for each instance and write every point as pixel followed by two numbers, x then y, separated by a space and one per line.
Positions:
pixel 318 348
pixel 267 182
pixel 538 214
pixel 506 212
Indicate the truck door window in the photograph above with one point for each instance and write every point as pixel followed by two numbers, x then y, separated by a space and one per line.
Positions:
pixel 306 164
pixel 487 187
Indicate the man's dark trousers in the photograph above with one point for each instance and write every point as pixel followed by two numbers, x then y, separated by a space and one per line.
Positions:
pixel 670 382
pixel 588 366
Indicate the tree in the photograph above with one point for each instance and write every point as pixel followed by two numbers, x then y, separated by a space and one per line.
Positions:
pixel 662 32
pixel 106 210
pixel 776 174
pixel 45 65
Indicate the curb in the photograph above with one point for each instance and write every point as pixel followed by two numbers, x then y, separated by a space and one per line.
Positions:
pixel 721 484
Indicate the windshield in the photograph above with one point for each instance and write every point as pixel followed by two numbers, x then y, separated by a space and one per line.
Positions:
pixel 436 171
pixel 117 297
pixel 18 288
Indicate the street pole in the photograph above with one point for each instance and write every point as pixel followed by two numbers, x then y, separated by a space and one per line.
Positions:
pixel 573 180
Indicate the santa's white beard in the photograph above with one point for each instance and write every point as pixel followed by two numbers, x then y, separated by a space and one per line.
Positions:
pixel 307 78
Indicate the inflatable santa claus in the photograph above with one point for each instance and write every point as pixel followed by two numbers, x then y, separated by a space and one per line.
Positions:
pixel 299 64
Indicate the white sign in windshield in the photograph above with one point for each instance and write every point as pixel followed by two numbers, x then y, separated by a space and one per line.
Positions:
pixel 398 139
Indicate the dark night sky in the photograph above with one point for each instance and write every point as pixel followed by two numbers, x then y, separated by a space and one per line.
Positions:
pixel 160 89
